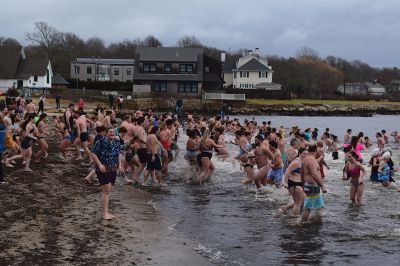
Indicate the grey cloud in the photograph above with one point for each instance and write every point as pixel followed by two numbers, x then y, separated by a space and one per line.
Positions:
pixel 353 29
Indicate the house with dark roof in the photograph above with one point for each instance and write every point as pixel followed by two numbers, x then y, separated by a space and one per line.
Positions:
pixel 58 82
pixel 20 70
pixel 176 72
pixel 250 72
pixel 102 69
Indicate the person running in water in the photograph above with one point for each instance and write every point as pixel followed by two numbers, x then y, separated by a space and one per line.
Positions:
pixel 294 184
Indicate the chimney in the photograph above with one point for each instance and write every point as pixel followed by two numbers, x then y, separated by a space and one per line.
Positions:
pixel 222 56
pixel 257 51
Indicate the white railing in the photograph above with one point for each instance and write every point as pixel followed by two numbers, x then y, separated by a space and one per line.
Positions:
pixel 224 96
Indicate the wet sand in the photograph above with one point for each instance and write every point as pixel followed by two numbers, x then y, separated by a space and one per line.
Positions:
pixel 50 216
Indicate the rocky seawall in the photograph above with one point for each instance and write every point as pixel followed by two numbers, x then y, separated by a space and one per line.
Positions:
pixel 319 110
pixel 195 106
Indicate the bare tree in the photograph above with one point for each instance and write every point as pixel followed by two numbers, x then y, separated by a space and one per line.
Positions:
pixel 189 41
pixel 95 47
pixel 46 36
pixel 8 41
pixel 307 53
pixel 151 41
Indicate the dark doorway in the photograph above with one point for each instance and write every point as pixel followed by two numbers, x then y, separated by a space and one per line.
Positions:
pixel 20 84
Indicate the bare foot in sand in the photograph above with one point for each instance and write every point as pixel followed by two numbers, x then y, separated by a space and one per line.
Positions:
pixel 129 181
pixel 107 217
pixel 8 163
pixel 247 181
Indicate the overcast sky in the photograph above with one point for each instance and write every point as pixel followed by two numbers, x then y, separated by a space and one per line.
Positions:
pixel 368 30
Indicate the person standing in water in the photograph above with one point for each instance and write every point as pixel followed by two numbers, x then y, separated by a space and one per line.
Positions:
pixel 356 171
pixel 313 184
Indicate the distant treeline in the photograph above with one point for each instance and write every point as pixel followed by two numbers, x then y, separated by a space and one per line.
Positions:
pixel 306 74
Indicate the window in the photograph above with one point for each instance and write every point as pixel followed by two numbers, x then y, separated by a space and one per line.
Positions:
pixel 160 87
pixel 116 71
pixel 263 74
pixel 129 71
pixel 207 69
pixel 167 68
pixel 186 68
pixel 188 87
pixel 89 70
pixel 241 74
pixel 77 69
pixel 88 79
pixel 47 76
pixel 248 74
pixel 149 67
pixel 35 78
pixel 234 74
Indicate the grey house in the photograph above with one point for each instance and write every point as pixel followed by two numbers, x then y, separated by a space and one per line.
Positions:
pixel 176 72
pixel 102 69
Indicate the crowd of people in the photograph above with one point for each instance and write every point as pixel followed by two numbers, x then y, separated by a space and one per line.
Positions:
pixel 145 143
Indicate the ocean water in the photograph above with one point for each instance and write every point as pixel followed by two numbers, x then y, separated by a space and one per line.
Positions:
pixel 234 224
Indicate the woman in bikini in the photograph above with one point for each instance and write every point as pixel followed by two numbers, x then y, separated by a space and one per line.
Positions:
pixel 294 183
pixel 220 140
pixel 43 146
pixel 356 171
pixel 206 146
pixel 28 131
pixel 192 147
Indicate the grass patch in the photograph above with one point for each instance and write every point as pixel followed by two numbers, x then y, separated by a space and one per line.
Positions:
pixel 312 102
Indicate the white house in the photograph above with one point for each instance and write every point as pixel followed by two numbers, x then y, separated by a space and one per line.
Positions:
pixel 18 70
pixel 251 72
pixel 361 88
pixel 375 88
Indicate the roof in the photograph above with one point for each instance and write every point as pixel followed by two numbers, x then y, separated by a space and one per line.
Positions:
pixel 59 80
pixel 32 66
pixel 105 61
pixel 376 85
pixel 228 66
pixel 211 77
pixel 254 65
pixel 169 54
pixel 9 58
pixel 268 86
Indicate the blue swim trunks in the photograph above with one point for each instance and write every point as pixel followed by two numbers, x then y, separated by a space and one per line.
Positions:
pixel 313 201
pixel 276 175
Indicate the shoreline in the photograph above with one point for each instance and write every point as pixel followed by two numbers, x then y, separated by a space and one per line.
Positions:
pixel 50 216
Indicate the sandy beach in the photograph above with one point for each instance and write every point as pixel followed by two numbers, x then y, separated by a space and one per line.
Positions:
pixel 50 216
